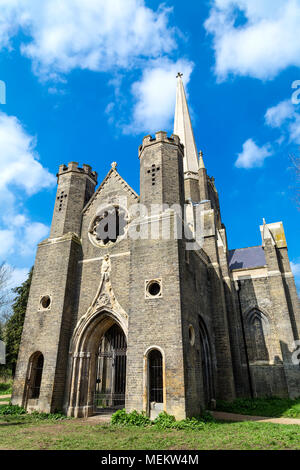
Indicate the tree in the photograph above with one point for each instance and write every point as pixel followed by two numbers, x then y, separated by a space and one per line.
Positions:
pixel 1 331
pixel 5 273
pixel 14 325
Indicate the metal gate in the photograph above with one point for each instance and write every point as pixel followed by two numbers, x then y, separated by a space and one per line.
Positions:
pixel 111 371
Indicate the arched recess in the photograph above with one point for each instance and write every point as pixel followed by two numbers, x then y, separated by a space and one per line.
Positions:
pixel 34 377
pixel 154 381
pixel 207 363
pixel 257 332
pixel 98 343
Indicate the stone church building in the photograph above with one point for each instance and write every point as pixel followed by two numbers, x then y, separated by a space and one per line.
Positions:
pixel 142 322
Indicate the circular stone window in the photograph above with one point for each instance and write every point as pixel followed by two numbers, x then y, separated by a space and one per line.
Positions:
pixel 109 226
pixel 153 288
pixel 45 302
pixel 191 335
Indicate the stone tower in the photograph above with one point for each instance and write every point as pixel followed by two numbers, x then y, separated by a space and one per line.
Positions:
pixel 49 318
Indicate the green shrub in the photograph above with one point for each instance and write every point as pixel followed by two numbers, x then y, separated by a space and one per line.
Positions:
pixel 11 410
pixel 5 388
pixel 15 410
pixel 119 417
pixel 164 421
pixel 134 418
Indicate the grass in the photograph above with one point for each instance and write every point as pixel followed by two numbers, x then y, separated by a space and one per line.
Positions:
pixel 268 407
pixel 30 432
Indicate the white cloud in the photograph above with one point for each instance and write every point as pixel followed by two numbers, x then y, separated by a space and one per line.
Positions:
pixel 278 114
pixel 155 96
pixel 264 43
pixel 19 163
pixel 98 35
pixel 294 129
pixel 7 241
pixel 20 170
pixel 295 268
pixel 17 277
pixel 33 233
pixel 285 116
pixel 252 156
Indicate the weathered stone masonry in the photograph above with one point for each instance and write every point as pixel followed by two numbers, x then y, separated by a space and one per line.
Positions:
pixel 143 322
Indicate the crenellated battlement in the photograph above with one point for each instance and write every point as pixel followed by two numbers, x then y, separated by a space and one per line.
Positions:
pixel 160 136
pixel 73 166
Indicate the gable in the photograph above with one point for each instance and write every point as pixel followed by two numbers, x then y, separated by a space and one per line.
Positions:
pixel 112 187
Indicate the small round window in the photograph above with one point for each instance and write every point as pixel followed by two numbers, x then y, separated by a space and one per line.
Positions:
pixel 153 288
pixel 45 302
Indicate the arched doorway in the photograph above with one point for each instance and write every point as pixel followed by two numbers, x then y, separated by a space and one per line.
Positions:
pixel 111 370
pixel 34 378
pixel 207 366
pixel 97 375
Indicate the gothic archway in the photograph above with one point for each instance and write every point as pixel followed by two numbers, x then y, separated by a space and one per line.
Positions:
pixel 97 364
pixel 257 329
pixel 33 378
pixel 111 370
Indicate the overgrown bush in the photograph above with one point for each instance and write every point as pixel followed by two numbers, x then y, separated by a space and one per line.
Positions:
pixel 163 420
pixel 130 419
pixel 5 388
pixel 166 421
pixel 6 410
pixel 15 410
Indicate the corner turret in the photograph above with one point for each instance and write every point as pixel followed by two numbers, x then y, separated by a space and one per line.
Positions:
pixel 75 188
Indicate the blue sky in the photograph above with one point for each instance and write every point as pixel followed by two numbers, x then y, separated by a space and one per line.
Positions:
pixel 85 81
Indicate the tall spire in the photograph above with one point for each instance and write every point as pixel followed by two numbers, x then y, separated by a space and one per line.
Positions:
pixel 183 128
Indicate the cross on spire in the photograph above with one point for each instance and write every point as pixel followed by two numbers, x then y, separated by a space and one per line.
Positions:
pixel 179 75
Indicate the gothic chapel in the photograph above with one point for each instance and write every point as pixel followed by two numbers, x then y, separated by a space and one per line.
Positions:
pixel 142 323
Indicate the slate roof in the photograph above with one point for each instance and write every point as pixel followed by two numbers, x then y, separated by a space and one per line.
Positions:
pixel 243 258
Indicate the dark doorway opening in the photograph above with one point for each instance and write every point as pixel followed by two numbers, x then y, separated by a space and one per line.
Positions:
pixel 111 371
pixel 155 376
pixel 36 372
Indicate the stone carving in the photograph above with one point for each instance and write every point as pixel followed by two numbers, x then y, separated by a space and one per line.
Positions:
pixel 106 267
pixel 103 300
pixel 105 296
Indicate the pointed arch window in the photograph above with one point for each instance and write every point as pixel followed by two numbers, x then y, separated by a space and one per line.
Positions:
pixel 257 332
pixel 207 362
pixel 155 361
